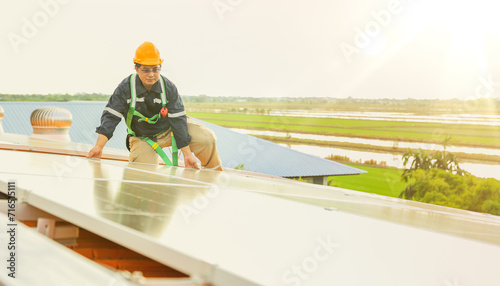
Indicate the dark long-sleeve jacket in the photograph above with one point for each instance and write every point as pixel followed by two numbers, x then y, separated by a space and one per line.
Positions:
pixel 148 103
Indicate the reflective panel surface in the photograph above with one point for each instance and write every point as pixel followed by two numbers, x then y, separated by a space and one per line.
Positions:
pixel 233 229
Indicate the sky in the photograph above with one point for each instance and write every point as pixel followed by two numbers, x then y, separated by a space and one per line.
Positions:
pixel 275 48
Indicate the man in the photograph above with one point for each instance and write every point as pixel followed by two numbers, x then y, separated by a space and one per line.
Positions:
pixel 153 110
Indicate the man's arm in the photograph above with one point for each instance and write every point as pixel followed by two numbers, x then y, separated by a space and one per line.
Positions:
pixel 178 122
pixel 112 115
pixel 189 159
pixel 177 116
pixel 96 152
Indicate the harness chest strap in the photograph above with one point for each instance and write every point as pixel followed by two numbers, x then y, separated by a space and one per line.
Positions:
pixel 151 120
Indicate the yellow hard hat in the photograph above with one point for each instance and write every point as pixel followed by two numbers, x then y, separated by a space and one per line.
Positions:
pixel 147 54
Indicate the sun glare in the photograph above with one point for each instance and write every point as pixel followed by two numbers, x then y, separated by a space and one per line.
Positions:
pixel 468 24
pixel 460 30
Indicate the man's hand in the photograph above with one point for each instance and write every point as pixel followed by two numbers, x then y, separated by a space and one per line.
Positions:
pixel 95 152
pixel 189 159
pixel 190 162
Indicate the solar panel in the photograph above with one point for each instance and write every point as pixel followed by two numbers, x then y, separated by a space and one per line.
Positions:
pixel 218 226
pixel 456 222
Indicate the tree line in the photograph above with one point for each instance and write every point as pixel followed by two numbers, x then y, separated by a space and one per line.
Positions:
pixel 55 97
pixel 438 179
pixel 456 105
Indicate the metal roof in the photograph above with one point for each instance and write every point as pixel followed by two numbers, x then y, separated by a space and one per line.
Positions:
pixel 266 157
pixel 86 117
pixel 255 154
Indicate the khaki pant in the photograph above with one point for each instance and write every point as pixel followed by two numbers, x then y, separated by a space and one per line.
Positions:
pixel 203 145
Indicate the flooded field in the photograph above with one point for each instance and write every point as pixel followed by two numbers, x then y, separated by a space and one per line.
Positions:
pixel 376 142
pixel 392 160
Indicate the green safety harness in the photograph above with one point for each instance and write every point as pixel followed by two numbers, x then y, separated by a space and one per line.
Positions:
pixel 151 120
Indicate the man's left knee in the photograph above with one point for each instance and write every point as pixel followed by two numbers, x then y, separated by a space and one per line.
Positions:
pixel 211 136
pixel 206 138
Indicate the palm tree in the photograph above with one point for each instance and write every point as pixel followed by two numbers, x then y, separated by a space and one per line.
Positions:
pixel 421 161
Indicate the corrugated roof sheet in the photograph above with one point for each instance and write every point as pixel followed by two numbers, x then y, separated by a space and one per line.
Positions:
pixel 255 154
pixel 266 157
pixel 86 117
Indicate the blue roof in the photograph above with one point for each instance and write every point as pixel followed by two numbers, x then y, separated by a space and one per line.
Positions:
pixel 86 117
pixel 266 157
pixel 257 155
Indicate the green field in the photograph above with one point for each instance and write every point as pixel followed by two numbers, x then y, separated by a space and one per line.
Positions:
pixel 409 105
pixel 463 135
pixel 382 181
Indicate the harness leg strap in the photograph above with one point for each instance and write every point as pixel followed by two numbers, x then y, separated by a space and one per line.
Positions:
pixel 160 152
pixel 175 151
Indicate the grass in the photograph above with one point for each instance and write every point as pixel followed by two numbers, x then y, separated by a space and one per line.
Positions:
pixel 463 134
pixel 382 181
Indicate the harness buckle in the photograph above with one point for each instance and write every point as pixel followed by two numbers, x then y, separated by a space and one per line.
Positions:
pixel 163 112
